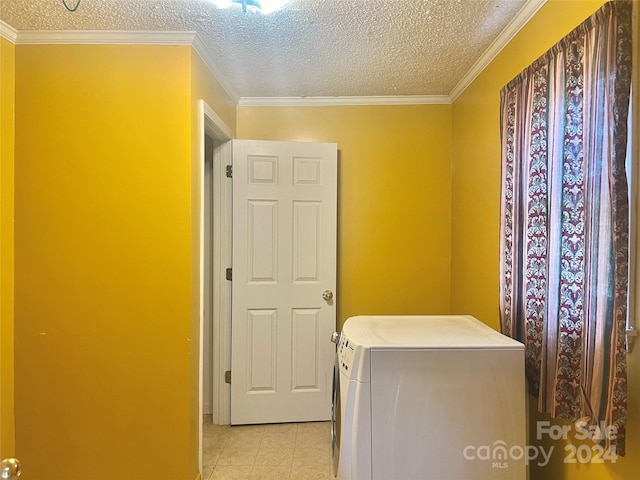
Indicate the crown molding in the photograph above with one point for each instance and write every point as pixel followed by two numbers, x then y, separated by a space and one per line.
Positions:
pixel 204 53
pixel 525 14
pixel 119 37
pixel 103 37
pixel 8 32
pixel 340 101
pixel 96 37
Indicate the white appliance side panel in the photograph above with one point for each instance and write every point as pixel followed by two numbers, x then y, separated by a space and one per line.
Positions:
pixel 355 430
pixel 428 406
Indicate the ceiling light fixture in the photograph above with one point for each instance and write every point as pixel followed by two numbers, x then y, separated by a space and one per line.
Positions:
pixel 262 6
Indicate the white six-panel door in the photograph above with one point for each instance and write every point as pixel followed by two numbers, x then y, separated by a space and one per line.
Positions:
pixel 284 260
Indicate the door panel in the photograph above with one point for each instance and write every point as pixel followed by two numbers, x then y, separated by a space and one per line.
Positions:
pixel 284 258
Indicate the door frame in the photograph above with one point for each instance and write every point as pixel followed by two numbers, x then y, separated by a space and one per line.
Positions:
pixel 210 124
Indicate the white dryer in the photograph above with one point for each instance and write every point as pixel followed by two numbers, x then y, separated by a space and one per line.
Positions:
pixel 427 397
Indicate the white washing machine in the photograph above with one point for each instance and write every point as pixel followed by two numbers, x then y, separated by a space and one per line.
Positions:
pixel 427 397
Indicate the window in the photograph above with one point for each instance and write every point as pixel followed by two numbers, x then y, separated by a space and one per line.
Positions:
pixel 565 221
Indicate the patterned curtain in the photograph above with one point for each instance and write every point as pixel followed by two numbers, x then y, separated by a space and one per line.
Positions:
pixel 565 222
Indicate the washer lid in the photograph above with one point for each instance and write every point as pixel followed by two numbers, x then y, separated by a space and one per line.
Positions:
pixel 424 331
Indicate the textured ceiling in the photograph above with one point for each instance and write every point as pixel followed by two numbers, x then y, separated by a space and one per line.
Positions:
pixel 309 48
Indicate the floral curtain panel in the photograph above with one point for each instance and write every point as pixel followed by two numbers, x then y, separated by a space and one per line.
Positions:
pixel 565 222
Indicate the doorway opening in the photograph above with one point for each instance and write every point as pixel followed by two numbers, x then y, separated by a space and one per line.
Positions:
pixel 215 257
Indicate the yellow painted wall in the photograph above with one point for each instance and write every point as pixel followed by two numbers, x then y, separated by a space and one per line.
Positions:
pixel 476 210
pixel 7 73
pixel 205 86
pixel 394 199
pixel 103 262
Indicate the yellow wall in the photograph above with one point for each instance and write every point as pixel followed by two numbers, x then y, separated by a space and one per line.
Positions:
pixel 394 199
pixel 7 72
pixel 476 210
pixel 103 262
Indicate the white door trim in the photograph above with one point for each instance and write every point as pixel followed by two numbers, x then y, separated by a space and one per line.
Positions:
pixel 211 124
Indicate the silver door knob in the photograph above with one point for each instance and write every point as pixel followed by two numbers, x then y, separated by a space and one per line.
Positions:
pixel 327 295
pixel 10 469
pixel 335 337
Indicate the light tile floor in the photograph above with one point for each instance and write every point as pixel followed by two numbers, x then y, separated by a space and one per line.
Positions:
pixel 296 451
